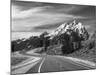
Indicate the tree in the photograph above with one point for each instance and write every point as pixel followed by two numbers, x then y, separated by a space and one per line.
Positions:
pixel 67 44
pixel 30 43
pixel 71 42
pixel 45 40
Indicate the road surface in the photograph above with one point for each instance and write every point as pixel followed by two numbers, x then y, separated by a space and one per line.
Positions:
pixel 50 63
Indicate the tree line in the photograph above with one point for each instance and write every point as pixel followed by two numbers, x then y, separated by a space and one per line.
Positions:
pixel 70 43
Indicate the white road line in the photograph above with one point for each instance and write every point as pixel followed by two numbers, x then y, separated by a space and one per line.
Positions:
pixel 41 65
pixel 23 64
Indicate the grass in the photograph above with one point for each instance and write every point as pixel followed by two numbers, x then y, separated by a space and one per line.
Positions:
pixel 17 60
pixel 86 54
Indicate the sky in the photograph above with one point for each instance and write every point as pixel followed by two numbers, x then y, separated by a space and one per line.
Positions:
pixel 37 17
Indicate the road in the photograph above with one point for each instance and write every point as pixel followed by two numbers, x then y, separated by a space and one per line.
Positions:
pixel 50 63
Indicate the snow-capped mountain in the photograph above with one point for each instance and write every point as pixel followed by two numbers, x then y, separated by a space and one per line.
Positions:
pixel 68 27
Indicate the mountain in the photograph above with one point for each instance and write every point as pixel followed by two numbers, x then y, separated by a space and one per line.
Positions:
pixel 71 45
pixel 68 28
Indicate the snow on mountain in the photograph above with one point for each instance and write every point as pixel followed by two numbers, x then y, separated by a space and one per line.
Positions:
pixel 68 27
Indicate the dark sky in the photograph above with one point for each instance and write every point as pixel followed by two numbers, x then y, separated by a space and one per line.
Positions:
pixel 38 17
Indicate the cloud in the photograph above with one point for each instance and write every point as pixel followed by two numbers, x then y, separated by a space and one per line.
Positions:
pixel 28 19
pixel 37 17
pixel 17 13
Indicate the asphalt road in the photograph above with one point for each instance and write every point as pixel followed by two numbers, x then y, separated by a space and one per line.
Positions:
pixel 49 63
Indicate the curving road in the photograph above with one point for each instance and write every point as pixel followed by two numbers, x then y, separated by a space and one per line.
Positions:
pixel 48 63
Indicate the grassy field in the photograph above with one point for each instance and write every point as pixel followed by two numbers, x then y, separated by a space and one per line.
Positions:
pixel 17 60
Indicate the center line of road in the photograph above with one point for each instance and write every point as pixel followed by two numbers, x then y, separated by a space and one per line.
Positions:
pixel 41 65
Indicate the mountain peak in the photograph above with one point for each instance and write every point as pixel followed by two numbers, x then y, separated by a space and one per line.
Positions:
pixel 75 26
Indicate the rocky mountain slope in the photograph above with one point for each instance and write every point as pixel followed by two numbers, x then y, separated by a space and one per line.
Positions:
pixel 68 28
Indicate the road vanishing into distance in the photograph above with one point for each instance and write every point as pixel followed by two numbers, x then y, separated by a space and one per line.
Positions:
pixel 49 63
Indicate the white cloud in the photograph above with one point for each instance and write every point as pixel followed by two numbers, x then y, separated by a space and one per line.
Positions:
pixel 17 13
pixel 27 19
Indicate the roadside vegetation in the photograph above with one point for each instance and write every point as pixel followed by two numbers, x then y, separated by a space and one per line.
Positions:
pixel 60 45
pixel 17 60
pixel 88 50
